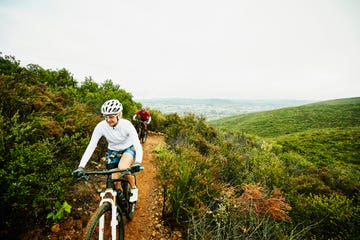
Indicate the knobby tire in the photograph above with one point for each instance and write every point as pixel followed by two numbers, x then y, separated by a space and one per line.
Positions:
pixel 143 136
pixel 92 228
pixel 141 133
pixel 139 130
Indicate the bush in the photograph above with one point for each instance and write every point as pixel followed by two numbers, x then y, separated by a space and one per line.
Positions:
pixel 333 217
pixel 187 180
pixel 45 124
pixel 198 172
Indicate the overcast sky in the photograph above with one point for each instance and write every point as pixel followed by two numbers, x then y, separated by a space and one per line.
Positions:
pixel 254 49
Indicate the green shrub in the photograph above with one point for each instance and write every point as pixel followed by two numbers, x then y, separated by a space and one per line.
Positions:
pixel 333 217
pixel 188 182
pixel 157 121
pixel 59 211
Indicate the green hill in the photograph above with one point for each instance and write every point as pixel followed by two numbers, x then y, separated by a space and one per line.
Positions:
pixel 326 147
pixel 340 113
pixel 317 151
pixel 325 133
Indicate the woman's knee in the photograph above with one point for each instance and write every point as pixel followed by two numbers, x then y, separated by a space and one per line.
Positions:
pixel 126 161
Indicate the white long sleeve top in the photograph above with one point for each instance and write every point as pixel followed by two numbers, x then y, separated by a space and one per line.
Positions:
pixel 120 137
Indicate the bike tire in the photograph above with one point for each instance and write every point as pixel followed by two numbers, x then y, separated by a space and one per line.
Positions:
pixel 129 206
pixel 92 228
pixel 139 130
pixel 144 136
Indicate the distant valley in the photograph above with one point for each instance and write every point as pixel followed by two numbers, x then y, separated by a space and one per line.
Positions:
pixel 213 108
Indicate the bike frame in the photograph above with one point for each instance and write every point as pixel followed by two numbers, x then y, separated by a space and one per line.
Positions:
pixel 139 125
pixel 105 198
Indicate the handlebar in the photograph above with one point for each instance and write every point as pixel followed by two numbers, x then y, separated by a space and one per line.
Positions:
pixel 140 121
pixel 130 170
pixel 108 172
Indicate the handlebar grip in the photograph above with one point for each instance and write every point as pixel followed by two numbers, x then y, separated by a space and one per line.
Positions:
pixel 136 168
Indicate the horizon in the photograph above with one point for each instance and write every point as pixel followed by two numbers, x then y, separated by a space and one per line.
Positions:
pixel 242 99
pixel 214 109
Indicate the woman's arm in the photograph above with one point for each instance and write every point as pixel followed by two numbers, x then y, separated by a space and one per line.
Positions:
pixel 96 135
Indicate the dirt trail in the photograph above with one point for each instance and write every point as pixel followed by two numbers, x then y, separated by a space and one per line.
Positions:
pixel 147 223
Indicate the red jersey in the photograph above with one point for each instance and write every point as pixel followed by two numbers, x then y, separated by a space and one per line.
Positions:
pixel 144 115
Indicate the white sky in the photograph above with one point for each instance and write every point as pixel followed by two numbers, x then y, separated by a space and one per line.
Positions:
pixel 253 49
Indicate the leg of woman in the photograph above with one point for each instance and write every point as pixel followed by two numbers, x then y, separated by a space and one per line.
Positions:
pixel 125 162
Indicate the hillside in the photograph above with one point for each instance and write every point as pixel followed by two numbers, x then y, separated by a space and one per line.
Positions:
pixel 315 148
pixel 326 133
pixel 340 113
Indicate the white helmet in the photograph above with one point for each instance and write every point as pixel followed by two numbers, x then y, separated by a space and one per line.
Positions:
pixel 112 106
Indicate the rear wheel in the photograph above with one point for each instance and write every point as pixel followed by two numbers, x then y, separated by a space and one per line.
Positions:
pixel 92 229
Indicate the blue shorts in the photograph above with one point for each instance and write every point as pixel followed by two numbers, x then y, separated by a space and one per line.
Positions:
pixel 113 157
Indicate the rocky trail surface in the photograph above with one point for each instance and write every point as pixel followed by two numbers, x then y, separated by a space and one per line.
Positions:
pixel 83 197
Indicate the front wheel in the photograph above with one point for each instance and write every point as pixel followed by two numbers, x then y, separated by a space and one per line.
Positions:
pixel 143 136
pixel 92 229
pixel 139 130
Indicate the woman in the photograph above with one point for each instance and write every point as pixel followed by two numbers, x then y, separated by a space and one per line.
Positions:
pixel 124 148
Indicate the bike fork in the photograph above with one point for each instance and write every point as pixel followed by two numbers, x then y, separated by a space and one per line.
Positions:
pixel 114 221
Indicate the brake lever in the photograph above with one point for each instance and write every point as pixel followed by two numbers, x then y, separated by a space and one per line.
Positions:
pixel 86 177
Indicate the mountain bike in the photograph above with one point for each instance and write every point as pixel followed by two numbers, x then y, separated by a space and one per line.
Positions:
pixel 141 130
pixel 107 221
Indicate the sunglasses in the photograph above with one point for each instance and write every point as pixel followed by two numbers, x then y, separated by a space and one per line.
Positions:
pixel 109 116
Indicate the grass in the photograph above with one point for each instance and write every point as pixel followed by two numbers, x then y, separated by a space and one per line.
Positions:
pixel 326 146
pixel 341 113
